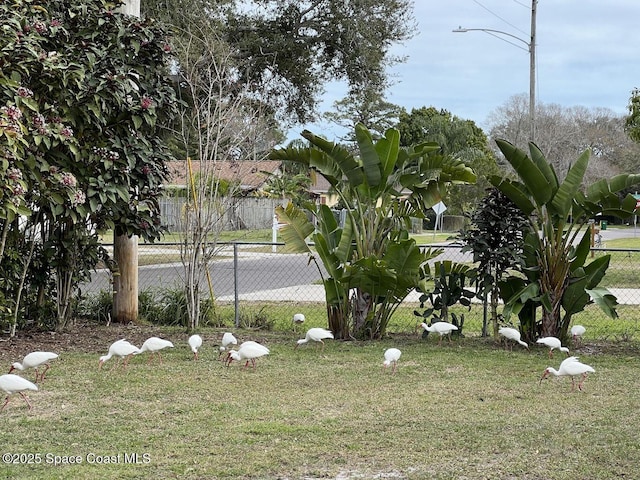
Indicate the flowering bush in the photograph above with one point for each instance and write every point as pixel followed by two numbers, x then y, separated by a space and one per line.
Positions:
pixel 83 91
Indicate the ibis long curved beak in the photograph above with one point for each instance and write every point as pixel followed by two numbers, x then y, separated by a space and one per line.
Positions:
pixel 544 375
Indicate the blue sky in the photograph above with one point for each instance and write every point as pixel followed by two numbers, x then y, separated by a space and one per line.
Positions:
pixel 587 54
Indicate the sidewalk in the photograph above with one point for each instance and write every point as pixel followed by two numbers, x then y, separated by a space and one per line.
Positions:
pixel 315 293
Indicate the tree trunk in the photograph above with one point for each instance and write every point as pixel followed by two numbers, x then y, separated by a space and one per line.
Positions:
pixel 362 302
pixel 125 282
pixel 338 322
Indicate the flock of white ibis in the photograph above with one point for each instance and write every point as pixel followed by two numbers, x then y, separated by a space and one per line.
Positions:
pixel 12 383
pixel 570 367
pixel 249 351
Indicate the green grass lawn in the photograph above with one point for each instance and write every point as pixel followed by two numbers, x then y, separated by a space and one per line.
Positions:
pixel 468 409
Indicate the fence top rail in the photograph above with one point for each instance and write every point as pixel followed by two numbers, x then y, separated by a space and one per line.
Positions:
pixel 311 244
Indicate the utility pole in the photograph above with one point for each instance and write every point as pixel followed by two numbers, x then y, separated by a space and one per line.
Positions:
pixel 125 248
pixel 532 73
pixel 531 48
pixel 131 7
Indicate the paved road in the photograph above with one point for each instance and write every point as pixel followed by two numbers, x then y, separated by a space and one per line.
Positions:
pixel 615 233
pixel 255 272
pixel 262 272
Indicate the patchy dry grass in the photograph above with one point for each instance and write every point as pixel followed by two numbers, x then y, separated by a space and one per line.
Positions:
pixel 463 410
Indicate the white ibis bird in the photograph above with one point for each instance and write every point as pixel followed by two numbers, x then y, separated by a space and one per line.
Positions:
pixel 569 367
pixel 248 351
pixel 316 335
pixel 391 356
pixel 552 343
pixel 577 331
pixel 298 319
pixel 11 384
pixel 34 360
pixel 441 328
pixel 122 349
pixel 512 334
pixel 154 345
pixel 195 342
pixel 227 339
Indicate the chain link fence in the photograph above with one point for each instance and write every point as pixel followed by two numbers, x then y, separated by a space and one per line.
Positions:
pixel 261 284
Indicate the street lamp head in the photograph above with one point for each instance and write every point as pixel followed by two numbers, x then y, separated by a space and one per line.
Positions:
pixel 460 30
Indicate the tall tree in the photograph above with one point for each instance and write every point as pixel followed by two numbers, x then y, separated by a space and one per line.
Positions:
pixel 369 108
pixel 219 124
pixel 302 44
pixel 458 138
pixel 632 121
pixel 563 133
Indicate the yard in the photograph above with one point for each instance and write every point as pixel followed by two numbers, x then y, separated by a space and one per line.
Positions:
pixel 467 409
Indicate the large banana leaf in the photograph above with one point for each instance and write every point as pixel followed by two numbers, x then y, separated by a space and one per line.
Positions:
pixel 545 167
pixel 566 193
pixel 341 158
pixel 369 157
pixel 516 192
pixel 575 297
pixel 517 293
pixel 296 229
pixel 388 148
pixel 581 252
pixel 605 300
pixel 394 276
pixel 535 181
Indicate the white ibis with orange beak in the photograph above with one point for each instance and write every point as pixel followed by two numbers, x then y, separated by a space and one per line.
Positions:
pixel 298 319
pixel 11 384
pixel 154 345
pixel 315 335
pixel 391 356
pixel 227 339
pixel 569 367
pixel 441 328
pixel 512 334
pixel 552 343
pixel 122 349
pixel 195 342
pixel 248 351
pixel 34 360
pixel 577 331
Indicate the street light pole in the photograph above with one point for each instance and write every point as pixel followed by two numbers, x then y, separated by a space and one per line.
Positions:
pixel 532 73
pixel 531 48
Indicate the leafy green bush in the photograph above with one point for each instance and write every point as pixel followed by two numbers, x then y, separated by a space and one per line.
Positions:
pixel 256 320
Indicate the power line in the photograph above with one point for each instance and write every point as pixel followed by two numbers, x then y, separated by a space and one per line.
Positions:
pixel 499 17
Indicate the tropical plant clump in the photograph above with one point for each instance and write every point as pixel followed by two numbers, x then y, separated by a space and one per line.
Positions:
pixel 558 281
pixel 449 288
pixel 371 263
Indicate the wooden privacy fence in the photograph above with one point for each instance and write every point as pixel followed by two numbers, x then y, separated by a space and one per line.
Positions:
pixel 235 213
pixel 253 277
